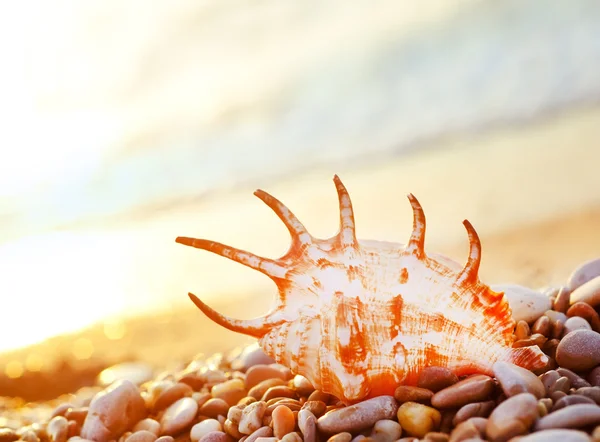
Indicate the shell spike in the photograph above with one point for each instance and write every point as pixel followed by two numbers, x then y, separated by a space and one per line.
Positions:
pixel 267 266
pixel 416 243
pixel 299 233
pixel 347 235
pixel 471 270
pixel 257 327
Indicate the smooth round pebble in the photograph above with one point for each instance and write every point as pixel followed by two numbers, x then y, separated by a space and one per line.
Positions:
pixel 261 432
pixel 141 436
pixel 214 407
pixel 588 293
pixel 559 435
pixel 358 416
pixel 418 419
pixel 170 395
pixel 436 378
pixel 574 416
pixel 178 416
pixel 474 409
pixel 340 437
pixel 579 350
pixel 215 436
pixel 407 393
pixel 148 424
pixel 112 411
pixel 58 429
pixel 594 377
pixel 165 439
pixel 254 355
pixel 386 430
pixel 576 323
pixel 584 273
pixel 514 380
pixel 230 391
pixel 526 304
pixel 201 429
pixel 283 421
pixel 475 388
pixel 513 417
pixel 262 372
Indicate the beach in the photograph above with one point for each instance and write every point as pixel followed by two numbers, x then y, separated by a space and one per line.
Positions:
pixel 534 202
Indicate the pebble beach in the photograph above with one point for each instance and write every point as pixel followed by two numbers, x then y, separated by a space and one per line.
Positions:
pixel 243 395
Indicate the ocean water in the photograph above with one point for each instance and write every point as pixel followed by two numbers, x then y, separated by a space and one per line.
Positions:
pixel 117 112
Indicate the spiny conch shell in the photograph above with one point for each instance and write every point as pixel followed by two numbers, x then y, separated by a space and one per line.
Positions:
pixel 358 318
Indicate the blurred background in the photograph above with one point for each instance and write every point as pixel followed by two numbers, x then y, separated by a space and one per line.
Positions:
pixel 126 124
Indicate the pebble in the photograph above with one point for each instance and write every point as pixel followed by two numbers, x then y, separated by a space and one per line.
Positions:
pixel 262 372
pixel 542 325
pixel 591 392
pixel 358 416
pixel 135 372
pixel 465 431
pixel 201 429
pixel 112 411
pixel 576 380
pixel 340 437
pixel 556 436
pixel 58 429
pixel 317 408
pixel 588 293
pixel 252 417
pixel 579 350
pixel 214 407
pixel 475 409
pixel 254 355
pixel 576 323
pixel 215 436
pixel 587 312
pixel 178 416
pixel 148 425
pixel 165 439
pixel 436 378
pixel 141 436
pixel 291 437
pixel 574 416
pixel 261 432
pixel 407 393
pixel 514 380
pixel 283 421
pixel 418 419
pixel 170 395
pixel 561 303
pixel 594 376
pixel 475 388
pixel 302 385
pixel 571 400
pixel 513 417
pixel 386 430
pixel 584 273
pixel 309 428
pixel 526 304
pixel 8 435
pixel 230 391
pixel 259 390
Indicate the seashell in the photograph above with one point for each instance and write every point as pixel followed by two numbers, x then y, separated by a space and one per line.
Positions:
pixel 358 318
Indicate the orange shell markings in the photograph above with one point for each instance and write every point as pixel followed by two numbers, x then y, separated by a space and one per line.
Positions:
pixel 358 318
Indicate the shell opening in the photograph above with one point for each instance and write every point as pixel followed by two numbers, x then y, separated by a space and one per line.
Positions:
pixel 416 243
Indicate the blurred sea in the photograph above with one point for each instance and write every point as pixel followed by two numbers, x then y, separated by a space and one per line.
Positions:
pixel 133 108
pixel 116 112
